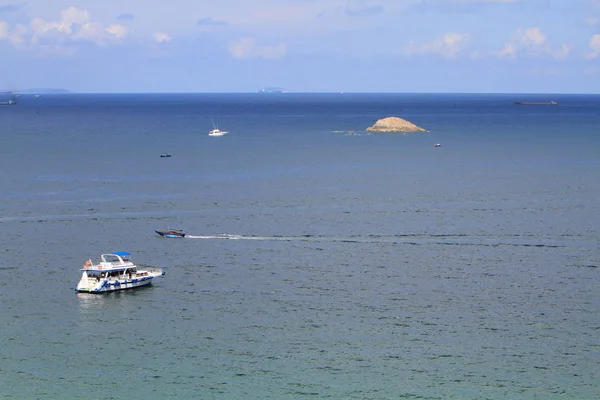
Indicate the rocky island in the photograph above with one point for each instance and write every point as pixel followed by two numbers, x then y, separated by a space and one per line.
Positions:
pixel 395 124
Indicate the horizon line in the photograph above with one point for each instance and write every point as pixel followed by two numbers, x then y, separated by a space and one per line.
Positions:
pixel 51 91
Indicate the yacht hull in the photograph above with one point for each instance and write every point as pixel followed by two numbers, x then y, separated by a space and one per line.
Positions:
pixel 88 285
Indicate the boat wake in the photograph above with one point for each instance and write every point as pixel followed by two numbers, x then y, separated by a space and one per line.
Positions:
pixel 245 237
pixel 408 239
pixel 304 238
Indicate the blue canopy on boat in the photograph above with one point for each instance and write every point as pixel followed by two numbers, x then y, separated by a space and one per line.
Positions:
pixel 121 253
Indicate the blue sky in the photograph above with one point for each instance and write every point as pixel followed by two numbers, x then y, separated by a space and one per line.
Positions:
pixel 471 46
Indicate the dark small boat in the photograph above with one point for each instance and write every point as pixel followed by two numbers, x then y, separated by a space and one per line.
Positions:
pixel 171 233
pixel 165 155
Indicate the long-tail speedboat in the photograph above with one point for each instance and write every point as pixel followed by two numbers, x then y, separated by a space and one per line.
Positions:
pixel 115 271
pixel 171 233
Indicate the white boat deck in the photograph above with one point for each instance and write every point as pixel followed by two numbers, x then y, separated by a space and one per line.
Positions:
pixel 115 272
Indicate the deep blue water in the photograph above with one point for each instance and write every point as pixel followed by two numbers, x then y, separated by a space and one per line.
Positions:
pixel 320 263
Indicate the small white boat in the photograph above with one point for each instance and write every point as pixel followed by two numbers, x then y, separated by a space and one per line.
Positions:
pixel 216 131
pixel 437 145
pixel 115 272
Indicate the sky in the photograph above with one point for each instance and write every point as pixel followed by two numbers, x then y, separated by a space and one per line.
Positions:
pixel 222 46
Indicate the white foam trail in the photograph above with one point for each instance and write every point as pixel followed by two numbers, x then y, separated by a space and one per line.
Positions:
pixel 240 237
pixel 276 238
pixel 408 239
pixel 205 237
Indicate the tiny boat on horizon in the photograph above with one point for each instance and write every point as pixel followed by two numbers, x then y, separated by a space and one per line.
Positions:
pixel 535 103
pixel 10 102
pixel 171 233
pixel 115 271
pixel 165 155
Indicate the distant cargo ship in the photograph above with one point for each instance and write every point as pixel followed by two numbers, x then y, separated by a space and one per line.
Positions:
pixel 271 89
pixel 536 103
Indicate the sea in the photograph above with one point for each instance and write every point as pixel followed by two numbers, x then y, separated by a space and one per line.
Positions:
pixel 321 261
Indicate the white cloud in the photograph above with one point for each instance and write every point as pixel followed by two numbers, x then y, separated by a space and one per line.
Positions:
pixel 532 37
pixel 448 45
pixel 531 42
pixel 161 37
pixel 248 48
pixel 509 50
pixel 594 47
pixel 118 31
pixel 92 31
pixel 69 18
pixel 16 36
pixel 73 25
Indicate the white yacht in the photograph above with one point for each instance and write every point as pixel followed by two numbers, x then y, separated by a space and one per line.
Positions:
pixel 115 271
pixel 216 131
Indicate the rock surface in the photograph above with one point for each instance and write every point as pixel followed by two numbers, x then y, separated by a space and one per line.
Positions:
pixel 395 124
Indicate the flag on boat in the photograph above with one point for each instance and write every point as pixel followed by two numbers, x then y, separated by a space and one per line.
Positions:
pixel 88 263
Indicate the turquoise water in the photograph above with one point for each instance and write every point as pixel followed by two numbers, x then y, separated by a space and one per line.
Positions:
pixel 319 264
